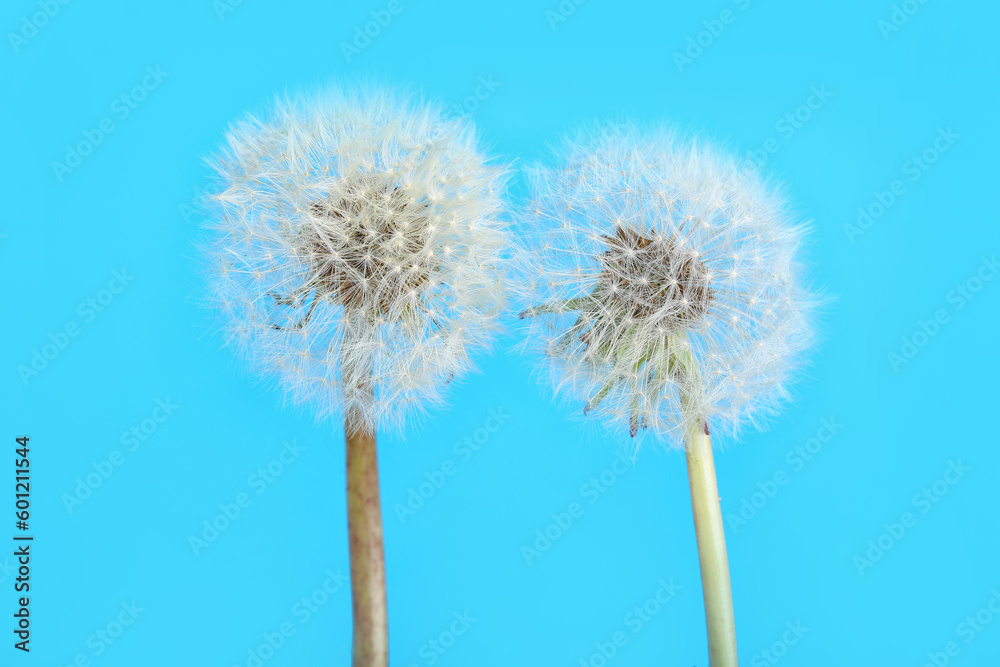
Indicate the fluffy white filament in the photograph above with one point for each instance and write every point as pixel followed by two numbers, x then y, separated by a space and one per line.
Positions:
pixel 662 287
pixel 358 251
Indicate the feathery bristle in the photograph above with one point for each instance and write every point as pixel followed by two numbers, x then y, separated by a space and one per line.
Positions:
pixel 661 285
pixel 359 251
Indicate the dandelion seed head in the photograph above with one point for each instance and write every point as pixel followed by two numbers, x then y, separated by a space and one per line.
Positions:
pixel 337 277
pixel 662 285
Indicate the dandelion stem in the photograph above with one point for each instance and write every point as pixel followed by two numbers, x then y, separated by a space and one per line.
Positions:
pixel 364 526
pixel 708 527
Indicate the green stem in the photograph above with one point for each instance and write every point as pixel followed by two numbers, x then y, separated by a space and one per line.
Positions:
pixel 715 582
pixel 712 555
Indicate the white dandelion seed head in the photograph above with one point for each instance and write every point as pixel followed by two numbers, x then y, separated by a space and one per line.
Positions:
pixel 358 251
pixel 661 284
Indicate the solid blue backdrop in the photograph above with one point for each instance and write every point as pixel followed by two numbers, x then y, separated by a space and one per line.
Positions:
pixel 863 527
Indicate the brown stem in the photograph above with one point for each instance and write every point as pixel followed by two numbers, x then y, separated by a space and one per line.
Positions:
pixel 711 549
pixel 364 527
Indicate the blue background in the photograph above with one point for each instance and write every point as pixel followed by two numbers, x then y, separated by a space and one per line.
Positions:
pixel 127 205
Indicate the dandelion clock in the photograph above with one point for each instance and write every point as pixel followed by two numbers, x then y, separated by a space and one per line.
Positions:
pixel 357 259
pixel 665 300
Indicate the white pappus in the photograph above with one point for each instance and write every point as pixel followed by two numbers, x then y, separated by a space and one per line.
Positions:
pixel 661 285
pixel 359 250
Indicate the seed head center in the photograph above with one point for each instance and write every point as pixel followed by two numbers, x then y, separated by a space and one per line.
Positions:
pixel 648 277
pixel 358 240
